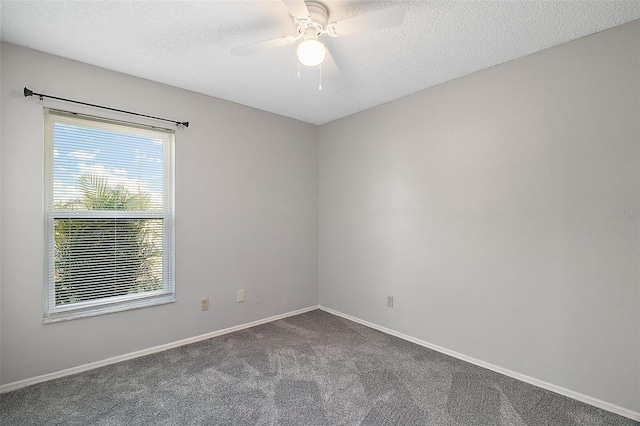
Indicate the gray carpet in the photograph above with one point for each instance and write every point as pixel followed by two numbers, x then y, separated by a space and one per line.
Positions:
pixel 310 369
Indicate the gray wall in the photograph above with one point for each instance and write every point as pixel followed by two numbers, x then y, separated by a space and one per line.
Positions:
pixel 246 209
pixel 481 206
pixel 1 219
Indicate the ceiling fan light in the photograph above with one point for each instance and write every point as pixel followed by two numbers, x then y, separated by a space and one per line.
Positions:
pixel 311 52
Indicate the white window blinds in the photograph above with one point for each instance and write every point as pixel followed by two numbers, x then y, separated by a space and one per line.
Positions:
pixel 110 215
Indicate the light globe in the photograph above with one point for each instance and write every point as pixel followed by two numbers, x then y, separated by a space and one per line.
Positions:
pixel 311 52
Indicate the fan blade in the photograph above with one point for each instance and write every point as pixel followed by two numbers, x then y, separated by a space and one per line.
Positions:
pixel 297 8
pixel 329 67
pixel 384 18
pixel 261 46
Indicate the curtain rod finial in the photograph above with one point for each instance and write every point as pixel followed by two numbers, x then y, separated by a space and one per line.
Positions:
pixel 27 92
pixel 185 124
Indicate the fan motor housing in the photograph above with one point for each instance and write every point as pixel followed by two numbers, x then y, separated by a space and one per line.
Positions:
pixel 317 14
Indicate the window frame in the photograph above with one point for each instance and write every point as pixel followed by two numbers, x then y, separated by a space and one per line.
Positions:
pixel 53 313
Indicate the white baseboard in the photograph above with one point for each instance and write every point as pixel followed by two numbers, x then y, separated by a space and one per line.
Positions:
pixel 90 366
pixel 542 384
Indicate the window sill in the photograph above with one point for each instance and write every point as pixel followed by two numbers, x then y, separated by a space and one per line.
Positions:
pixel 106 309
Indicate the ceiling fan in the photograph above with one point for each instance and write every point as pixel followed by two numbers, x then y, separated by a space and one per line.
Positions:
pixel 311 20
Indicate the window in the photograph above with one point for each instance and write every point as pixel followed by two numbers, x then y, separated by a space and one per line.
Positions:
pixel 109 216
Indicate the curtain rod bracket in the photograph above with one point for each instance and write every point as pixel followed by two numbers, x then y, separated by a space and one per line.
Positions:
pixel 28 92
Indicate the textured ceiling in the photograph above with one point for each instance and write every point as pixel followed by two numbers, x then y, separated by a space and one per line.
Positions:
pixel 186 44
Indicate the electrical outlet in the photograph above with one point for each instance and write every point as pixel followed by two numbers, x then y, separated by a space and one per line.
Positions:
pixel 204 304
pixel 389 301
pixel 240 296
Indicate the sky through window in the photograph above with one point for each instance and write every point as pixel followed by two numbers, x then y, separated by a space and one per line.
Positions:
pixel 135 162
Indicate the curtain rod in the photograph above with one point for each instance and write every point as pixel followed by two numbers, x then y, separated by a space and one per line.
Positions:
pixel 28 92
